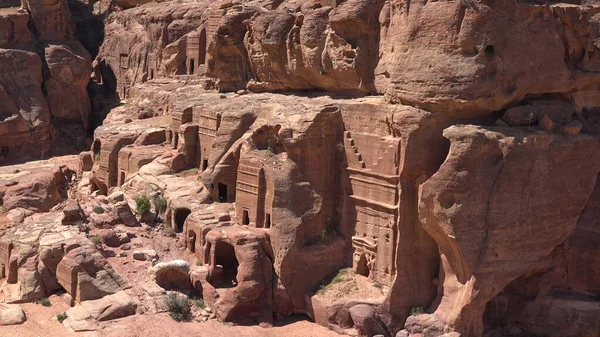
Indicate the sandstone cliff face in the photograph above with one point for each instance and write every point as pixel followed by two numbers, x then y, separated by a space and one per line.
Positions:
pixel 493 183
pixel 45 77
pixel 425 168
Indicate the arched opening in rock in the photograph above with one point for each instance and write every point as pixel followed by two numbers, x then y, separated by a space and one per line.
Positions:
pixel 192 241
pixel 246 218
pixel 226 266
pixel 204 164
pixel 202 54
pixel 362 267
pixel 180 216
pixel 222 192
pixel 187 115
pixel 489 52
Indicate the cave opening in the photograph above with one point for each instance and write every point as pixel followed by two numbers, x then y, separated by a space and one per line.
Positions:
pixel 192 241
pixel 222 192
pixel 362 267
pixel 226 266
pixel 180 217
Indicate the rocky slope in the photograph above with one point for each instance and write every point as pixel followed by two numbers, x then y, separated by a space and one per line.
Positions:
pixel 397 168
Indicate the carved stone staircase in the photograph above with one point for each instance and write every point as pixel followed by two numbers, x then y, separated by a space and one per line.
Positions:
pixel 352 152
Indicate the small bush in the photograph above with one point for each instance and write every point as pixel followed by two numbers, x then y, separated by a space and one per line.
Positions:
pixel 179 308
pixel 160 204
pixel 199 263
pixel 340 276
pixel 97 157
pixel 98 210
pixel 169 231
pixel 62 317
pixel 329 232
pixel 44 301
pixel 96 240
pixel 142 205
pixel 414 311
pixel 199 302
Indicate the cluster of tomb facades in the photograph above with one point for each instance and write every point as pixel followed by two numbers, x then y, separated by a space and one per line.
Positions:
pixel 335 182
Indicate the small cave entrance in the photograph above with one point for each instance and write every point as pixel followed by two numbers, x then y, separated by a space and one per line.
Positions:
pixel 222 192
pixel 101 188
pixel 226 266
pixel 362 267
pixel 268 220
pixel 192 241
pixel 245 218
pixel 204 164
pixel 180 216
pixel 192 67
pixel 122 178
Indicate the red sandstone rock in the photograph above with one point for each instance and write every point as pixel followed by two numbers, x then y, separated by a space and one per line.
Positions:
pixel 515 181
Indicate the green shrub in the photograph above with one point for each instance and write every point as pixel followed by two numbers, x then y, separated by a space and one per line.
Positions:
pixel 62 317
pixel 414 311
pixel 329 232
pixel 160 204
pixel 178 306
pixel 44 301
pixel 339 277
pixel 97 157
pixel 142 205
pixel 199 302
pixel 96 240
pixel 98 209
pixel 199 263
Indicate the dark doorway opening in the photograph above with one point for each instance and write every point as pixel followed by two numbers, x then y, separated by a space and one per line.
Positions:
pixel 192 66
pixel 362 267
pixel 122 180
pixel 222 192
pixel 226 266
pixel 246 218
pixel 268 221
pixel 180 216
pixel 2 272
pixel 204 164
pixel 175 140
pixel 192 241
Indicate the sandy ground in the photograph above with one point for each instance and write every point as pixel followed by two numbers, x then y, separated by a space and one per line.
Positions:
pixel 40 323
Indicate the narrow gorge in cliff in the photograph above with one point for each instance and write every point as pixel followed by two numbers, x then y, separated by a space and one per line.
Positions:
pixel 300 168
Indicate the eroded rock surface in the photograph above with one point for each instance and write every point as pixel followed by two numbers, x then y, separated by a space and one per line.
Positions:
pixel 398 168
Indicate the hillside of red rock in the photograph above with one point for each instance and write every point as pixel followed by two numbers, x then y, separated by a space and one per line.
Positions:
pixel 404 168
